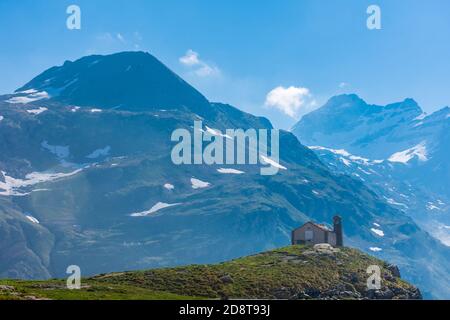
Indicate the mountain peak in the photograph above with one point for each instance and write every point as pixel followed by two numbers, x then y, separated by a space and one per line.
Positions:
pixel 134 81
pixel 348 122
pixel 407 104
pixel 410 101
pixel 345 99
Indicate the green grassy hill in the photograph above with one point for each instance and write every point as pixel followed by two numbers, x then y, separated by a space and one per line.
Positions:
pixel 296 272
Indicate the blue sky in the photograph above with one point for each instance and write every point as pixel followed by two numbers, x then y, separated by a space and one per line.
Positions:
pixel 277 58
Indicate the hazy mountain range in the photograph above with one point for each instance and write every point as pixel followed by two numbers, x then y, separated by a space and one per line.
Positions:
pixel 87 179
pixel 398 150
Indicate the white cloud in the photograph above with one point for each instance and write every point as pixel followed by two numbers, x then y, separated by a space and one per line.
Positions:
pixel 199 67
pixel 290 100
pixel 343 85
pixel 105 37
pixel 137 36
pixel 120 38
pixel 190 58
pixel 137 40
pixel 207 71
pixel 108 37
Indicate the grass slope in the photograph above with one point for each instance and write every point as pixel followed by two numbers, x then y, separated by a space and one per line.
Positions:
pixel 296 272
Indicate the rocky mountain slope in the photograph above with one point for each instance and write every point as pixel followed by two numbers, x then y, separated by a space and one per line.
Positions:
pixel 288 273
pixel 87 179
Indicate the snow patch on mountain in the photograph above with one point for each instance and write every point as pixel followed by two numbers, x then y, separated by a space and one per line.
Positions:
pixel 271 162
pixel 346 156
pixel 29 91
pixel 12 186
pixel 37 111
pixel 169 186
pixel 157 207
pixel 378 232
pixel 229 171
pixel 1 118
pixel 217 133
pixel 431 206
pixel 199 184
pixel 395 203
pixel 364 171
pixel 30 96
pixel 421 117
pixel 345 161
pixel 32 219
pixel 419 151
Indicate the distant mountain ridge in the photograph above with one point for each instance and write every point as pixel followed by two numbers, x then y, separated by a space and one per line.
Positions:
pixel 400 133
pixel 372 131
pixel 398 150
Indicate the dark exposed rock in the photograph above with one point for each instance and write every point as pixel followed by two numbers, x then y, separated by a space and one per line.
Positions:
pixel 302 296
pixel 354 277
pixel 313 292
pixel 415 294
pixel 283 293
pixel 394 270
pixel 226 279
pixel 223 296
